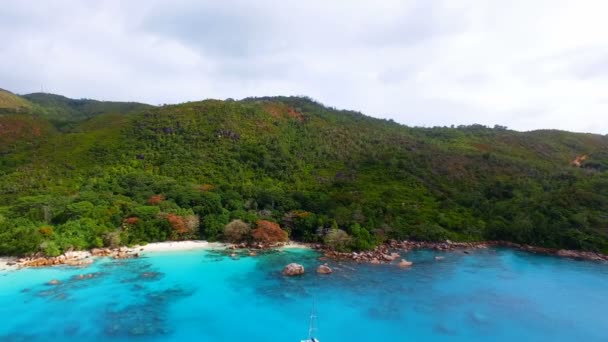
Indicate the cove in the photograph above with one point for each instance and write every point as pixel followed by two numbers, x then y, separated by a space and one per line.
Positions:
pixel 495 294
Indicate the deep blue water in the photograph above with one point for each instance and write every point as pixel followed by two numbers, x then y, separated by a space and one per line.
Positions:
pixel 488 295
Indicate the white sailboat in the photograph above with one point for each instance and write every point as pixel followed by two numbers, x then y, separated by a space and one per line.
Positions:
pixel 311 327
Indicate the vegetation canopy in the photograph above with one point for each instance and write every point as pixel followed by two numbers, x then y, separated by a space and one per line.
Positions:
pixel 84 173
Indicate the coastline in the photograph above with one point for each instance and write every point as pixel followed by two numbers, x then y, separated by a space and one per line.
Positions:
pixel 85 258
pixel 381 254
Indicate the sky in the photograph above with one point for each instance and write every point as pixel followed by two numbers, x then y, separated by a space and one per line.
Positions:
pixel 526 65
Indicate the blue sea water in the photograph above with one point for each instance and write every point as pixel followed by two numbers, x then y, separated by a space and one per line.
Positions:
pixel 488 295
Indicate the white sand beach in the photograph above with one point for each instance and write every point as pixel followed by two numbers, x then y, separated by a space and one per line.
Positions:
pixel 168 246
pixel 295 245
pixel 179 246
pixel 4 264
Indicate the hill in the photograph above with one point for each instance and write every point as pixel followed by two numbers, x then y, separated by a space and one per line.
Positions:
pixel 141 174
pixel 63 112
pixel 11 103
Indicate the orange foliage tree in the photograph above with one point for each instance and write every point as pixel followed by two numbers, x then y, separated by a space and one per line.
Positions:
pixel 46 231
pixel 183 226
pixel 156 199
pixel 177 223
pixel 269 232
pixel 131 220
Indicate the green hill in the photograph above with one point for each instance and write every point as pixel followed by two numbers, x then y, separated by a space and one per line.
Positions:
pixel 140 173
pixel 65 112
pixel 11 103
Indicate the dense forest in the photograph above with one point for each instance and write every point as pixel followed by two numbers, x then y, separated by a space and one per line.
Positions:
pixel 84 173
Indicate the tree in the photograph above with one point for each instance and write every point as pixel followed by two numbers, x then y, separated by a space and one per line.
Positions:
pixel 269 232
pixel 184 227
pixel 236 231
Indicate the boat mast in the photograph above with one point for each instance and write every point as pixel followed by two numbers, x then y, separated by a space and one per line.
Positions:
pixel 311 327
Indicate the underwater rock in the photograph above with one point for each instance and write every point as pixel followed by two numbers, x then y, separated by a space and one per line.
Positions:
pixel 324 269
pixel 439 258
pixel 87 276
pixel 82 262
pixel 293 269
pixel 391 257
pixel 150 275
pixel 404 263
pixel 54 282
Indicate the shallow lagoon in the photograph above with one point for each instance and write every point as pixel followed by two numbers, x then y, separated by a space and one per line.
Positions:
pixel 495 294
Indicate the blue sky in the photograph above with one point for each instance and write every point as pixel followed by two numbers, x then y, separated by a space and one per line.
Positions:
pixel 524 64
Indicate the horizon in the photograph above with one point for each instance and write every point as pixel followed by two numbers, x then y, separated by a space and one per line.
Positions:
pixel 448 125
pixel 417 63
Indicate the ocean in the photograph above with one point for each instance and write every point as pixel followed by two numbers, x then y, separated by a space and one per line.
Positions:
pixel 204 295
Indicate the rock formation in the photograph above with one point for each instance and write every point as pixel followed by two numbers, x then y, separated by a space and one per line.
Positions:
pixel 324 269
pixel 293 269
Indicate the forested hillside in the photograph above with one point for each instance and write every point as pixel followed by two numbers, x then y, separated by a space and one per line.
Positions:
pixel 83 173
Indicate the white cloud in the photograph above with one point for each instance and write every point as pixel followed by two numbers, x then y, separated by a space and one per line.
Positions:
pixel 525 64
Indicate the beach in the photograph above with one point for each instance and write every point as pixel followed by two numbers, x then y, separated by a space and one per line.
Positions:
pixel 81 258
pixel 170 246
pixel 4 263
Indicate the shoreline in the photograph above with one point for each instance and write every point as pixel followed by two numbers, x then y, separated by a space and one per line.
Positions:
pixel 85 258
pixel 8 264
pixel 381 254
pixel 384 253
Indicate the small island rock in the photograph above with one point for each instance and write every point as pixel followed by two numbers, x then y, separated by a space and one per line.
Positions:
pixel 324 269
pixel 293 269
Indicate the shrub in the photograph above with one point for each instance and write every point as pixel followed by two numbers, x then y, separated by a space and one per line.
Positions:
pixel 50 249
pixel 236 231
pixel 46 231
pixel 338 240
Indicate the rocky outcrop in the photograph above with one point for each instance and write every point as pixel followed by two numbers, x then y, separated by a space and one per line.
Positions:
pixel 78 259
pixel 52 261
pixel 380 255
pixel 385 253
pixel 324 269
pixel 581 255
pixel 116 253
pixel 293 269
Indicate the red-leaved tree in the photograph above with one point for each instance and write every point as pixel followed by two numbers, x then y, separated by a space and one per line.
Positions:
pixel 269 232
pixel 184 227
pixel 156 199
pixel 131 220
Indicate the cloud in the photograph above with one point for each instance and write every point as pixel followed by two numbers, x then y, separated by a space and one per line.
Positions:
pixel 523 64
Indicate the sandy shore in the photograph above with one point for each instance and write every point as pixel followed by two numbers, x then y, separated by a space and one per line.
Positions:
pixel 296 245
pixel 170 246
pixel 179 246
pixel 4 261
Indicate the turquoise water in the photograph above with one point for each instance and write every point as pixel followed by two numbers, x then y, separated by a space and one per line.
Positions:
pixel 497 295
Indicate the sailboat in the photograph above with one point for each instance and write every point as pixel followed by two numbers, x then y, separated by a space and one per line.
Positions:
pixel 311 327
